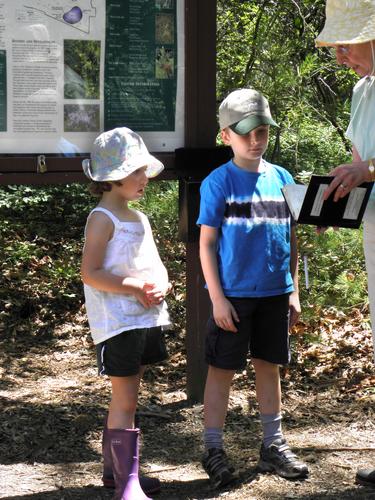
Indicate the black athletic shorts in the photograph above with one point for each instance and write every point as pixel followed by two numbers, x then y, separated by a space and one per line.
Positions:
pixel 124 354
pixel 263 332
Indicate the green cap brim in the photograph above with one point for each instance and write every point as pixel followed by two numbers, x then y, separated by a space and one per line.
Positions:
pixel 250 122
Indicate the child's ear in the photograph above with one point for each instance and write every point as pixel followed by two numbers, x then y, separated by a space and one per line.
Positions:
pixel 225 136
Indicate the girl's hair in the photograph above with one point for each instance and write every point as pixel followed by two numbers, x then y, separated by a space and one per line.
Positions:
pixel 98 188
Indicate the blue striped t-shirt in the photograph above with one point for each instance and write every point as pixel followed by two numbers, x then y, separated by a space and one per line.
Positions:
pixel 254 226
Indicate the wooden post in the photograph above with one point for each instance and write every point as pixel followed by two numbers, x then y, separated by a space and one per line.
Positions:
pixel 198 308
pixel 201 129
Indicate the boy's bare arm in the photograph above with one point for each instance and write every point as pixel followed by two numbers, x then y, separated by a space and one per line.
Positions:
pixel 294 303
pixel 223 311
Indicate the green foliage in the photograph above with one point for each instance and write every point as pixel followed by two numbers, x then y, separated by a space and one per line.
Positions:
pixel 336 270
pixel 313 148
pixel 270 46
pixel 41 233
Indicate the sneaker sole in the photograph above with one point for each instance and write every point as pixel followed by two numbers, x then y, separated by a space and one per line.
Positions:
pixel 267 467
pixel 225 481
pixel 363 482
pixel 226 478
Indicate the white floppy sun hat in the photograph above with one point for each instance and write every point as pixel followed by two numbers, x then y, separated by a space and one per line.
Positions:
pixel 348 22
pixel 116 154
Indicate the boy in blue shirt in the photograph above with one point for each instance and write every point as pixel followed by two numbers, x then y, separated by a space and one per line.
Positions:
pixel 248 254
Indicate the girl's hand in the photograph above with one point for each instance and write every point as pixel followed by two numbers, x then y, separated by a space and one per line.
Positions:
pixel 225 315
pixel 140 290
pixel 147 293
pixel 155 294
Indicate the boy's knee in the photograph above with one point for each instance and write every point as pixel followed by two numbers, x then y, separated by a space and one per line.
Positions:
pixel 220 373
pixel 262 364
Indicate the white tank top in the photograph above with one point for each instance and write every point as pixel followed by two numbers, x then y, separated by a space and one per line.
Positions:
pixel 130 252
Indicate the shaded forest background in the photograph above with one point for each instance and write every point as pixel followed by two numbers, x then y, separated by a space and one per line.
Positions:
pixel 267 45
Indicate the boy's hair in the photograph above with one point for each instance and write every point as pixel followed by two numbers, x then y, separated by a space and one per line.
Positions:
pixel 98 188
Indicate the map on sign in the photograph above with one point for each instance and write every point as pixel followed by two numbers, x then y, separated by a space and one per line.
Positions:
pixel 77 16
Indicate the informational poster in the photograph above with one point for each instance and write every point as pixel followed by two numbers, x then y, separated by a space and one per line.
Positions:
pixel 70 69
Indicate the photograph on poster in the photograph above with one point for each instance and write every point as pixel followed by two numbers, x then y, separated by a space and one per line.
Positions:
pixel 164 63
pixel 164 4
pixel 81 118
pixel 164 28
pixel 81 69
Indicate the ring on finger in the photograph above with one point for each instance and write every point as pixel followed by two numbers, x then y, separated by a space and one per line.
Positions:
pixel 343 186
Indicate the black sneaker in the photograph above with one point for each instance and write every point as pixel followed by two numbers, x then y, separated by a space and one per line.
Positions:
pixel 215 463
pixel 278 457
pixel 366 477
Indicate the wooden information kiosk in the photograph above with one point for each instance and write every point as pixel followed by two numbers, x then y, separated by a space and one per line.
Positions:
pixel 150 65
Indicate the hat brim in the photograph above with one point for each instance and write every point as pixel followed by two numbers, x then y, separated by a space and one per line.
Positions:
pixel 328 38
pixel 246 125
pixel 347 23
pixel 121 171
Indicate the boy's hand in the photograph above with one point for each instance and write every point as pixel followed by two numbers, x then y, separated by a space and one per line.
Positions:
pixel 294 308
pixel 224 313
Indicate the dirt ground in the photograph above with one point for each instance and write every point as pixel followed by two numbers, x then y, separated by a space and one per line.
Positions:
pixel 53 405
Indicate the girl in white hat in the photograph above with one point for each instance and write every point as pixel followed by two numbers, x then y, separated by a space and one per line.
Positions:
pixel 350 29
pixel 125 285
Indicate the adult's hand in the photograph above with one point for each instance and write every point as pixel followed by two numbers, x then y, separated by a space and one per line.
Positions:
pixel 346 177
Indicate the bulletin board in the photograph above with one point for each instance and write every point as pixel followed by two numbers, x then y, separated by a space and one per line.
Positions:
pixel 72 69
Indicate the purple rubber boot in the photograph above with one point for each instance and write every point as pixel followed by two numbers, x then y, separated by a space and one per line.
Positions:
pixel 108 480
pixel 150 485
pixel 125 464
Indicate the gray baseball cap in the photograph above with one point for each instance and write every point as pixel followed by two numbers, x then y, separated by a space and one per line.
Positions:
pixel 243 110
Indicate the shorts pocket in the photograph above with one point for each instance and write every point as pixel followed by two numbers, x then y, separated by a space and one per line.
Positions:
pixel 212 338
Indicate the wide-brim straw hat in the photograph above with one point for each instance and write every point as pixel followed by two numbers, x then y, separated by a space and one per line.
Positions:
pixel 348 22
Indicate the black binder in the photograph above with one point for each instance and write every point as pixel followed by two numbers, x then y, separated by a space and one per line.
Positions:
pixel 307 206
